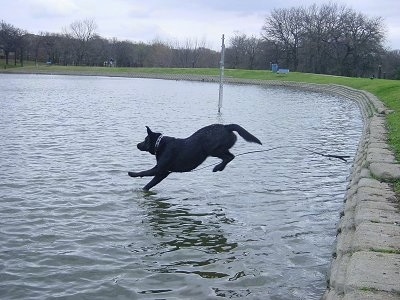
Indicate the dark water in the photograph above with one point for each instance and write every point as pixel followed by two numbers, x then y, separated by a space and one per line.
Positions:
pixel 73 225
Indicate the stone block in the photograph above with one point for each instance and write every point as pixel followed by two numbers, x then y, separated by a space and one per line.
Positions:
pixel 373 183
pixel 377 236
pixel 374 194
pixel 347 222
pixel 376 212
pixel 338 273
pixel 332 295
pixel 386 171
pixel 344 243
pixel 373 271
pixel 380 155
pixel 370 295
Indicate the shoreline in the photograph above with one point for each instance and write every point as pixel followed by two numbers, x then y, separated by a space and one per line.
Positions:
pixel 366 260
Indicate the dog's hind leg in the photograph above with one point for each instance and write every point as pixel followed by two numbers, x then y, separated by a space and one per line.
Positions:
pixel 226 158
pixel 156 180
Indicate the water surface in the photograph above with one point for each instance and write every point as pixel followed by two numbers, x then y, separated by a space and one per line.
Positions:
pixel 73 225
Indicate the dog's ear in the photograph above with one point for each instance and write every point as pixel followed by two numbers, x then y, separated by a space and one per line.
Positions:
pixel 149 130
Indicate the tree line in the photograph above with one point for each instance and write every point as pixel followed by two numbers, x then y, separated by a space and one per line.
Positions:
pixel 325 39
pixel 79 44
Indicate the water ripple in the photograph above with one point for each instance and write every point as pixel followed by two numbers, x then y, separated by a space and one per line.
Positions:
pixel 74 226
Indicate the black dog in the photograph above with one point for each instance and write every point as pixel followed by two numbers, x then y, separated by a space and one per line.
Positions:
pixel 184 155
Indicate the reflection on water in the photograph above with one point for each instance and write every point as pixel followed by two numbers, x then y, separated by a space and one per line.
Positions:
pixel 192 232
pixel 190 241
pixel 180 230
pixel 73 225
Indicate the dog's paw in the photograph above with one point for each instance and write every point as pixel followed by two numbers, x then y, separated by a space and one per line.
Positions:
pixel 132 174
pixel 218 168
pixel 148 193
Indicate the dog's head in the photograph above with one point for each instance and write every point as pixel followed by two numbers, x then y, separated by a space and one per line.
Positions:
pixel 149 143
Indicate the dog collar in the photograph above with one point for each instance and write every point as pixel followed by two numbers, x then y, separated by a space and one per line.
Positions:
pixel 157 144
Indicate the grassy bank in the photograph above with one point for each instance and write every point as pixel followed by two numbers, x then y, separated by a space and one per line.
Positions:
pixel 386 90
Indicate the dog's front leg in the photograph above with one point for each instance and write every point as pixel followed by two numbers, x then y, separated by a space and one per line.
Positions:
pixel 151 172
pixel 156 180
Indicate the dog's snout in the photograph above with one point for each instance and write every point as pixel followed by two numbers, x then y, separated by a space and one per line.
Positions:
pixel 141 147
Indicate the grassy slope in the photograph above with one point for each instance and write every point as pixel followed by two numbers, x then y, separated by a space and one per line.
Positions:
pixel 387 90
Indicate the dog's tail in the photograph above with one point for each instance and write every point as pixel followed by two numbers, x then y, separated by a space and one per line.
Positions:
pixel 243 133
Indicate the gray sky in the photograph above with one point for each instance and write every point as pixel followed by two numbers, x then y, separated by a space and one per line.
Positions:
pixel 175 20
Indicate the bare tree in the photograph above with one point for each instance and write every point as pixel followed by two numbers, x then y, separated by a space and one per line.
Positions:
pixel 50 44
pixel 11 40
pixel 208 58
pixel 390 65
pixel 326 39
pixel 362 38
pixel 128 54
pixel 245 52
pixel 160 54
pixel 236 51
pixel 252 50
pixel 81 33
pixel 187 54
pixel 285 27
pixel 318 21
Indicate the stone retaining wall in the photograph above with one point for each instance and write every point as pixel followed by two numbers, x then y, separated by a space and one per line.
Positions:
pixel 366 261
pixel 366 264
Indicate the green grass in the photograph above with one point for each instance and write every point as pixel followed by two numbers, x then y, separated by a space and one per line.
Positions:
pixel 386 90
pixel 386 251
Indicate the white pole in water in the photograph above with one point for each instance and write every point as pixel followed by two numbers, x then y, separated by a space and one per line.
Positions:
pixel 221 74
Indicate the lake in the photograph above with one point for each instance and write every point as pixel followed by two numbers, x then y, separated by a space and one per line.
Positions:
pixel 73 225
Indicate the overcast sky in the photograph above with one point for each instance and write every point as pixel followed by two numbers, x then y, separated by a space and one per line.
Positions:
pixel 169 20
